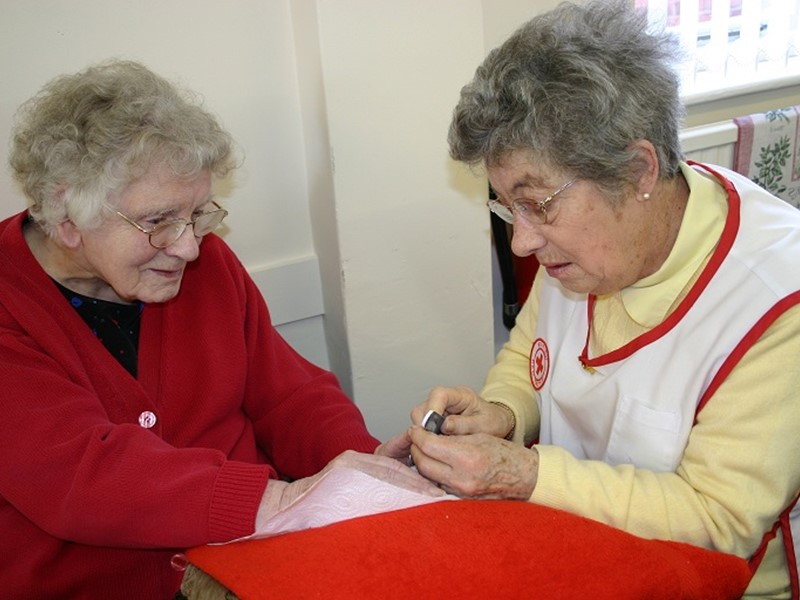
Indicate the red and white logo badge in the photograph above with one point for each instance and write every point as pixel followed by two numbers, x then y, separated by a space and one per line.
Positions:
pixel 540 363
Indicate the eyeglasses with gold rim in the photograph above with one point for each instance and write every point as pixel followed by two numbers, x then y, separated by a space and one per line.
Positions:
pixel 167 233
pixel 530 211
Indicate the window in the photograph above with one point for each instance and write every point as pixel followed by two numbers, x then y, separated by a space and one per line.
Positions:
pixel 733 45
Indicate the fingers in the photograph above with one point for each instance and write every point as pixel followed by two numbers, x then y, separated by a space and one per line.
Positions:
pixel 447 401
pixel 464 412
pixel 475 466
pixel 485 418
pixel 440 453
pixel 453 400
pixel 429 454
pixel 396 447
pixel 420 410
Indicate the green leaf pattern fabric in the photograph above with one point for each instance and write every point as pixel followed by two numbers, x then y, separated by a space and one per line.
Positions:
pixel 767 151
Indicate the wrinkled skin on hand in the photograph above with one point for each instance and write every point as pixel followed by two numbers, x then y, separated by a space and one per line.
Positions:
pixel 280 494
pixel 475 465
pixel 471 459
pixel 465 412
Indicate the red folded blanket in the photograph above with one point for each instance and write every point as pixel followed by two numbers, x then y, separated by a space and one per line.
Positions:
pixel 471 549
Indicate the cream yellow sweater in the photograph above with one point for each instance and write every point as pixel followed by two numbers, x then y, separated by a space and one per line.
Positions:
pixel 754 416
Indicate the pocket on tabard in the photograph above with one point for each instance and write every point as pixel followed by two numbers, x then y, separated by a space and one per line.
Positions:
pixel 644 436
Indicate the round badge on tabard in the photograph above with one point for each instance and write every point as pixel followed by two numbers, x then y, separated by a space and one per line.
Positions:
pixel 540 363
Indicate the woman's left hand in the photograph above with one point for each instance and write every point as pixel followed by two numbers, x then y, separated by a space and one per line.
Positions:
pixel 475 466
pixel 398 447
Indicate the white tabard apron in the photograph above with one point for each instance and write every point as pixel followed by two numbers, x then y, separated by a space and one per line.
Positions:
pixel 636 405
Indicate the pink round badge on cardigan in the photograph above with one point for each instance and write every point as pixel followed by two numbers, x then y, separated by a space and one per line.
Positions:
pixel 147 419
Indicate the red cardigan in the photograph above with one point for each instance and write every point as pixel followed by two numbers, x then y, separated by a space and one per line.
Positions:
pixel 93 504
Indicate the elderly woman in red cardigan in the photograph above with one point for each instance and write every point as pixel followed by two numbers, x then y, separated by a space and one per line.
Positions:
pixel 149 403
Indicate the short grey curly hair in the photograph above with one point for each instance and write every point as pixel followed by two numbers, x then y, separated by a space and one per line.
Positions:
pixel 574 87
pixel 85 136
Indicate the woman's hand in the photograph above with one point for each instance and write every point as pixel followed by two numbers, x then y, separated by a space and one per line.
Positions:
pixel 397 448
pixel 476 465
pixel 465 412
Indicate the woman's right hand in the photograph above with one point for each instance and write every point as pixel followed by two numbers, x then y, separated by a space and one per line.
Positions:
pixel 465 412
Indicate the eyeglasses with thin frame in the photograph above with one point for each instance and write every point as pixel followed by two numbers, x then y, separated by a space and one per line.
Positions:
pixel 530 211
pixel 167 233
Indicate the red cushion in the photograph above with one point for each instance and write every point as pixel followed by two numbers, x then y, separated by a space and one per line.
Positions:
pixel 471 549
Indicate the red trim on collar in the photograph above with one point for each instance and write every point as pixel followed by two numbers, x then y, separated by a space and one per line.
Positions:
pixel 726 240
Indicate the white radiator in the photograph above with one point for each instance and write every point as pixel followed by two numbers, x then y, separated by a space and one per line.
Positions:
pixel 714 144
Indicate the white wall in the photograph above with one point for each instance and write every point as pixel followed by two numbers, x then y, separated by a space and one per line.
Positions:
pixel 413 228
pixel 347 205
pixel 241 59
